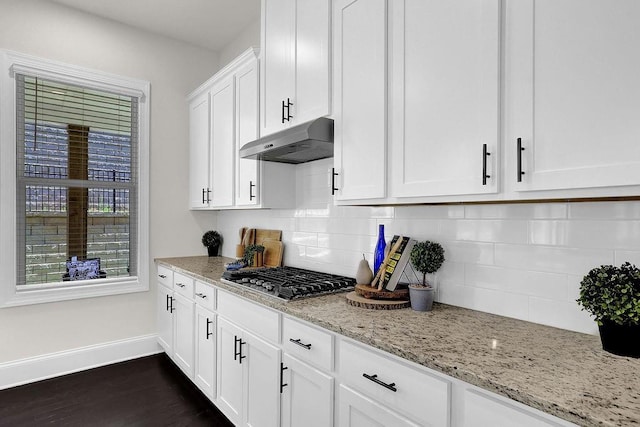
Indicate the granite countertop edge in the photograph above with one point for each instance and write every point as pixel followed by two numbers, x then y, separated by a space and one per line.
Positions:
pixel 484 373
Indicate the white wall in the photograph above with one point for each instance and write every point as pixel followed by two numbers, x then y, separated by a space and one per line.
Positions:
pixel 51 31
pixel 249 37
pixel 517 260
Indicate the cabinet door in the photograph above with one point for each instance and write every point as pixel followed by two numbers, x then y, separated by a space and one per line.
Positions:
pixel 277 63
pixel 199 151
pixel 183 326
pixel 229 371
pixel 222 143
pixel 261 382
pixel 572 93
pixel 307 398
pixel 359 43
pixel 247 128
pixel 165 319
pixel 444 99
pixel 356 410
pixel 313 77
pixel 205 361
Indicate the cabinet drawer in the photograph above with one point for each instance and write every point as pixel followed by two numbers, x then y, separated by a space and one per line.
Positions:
pixel 183 285
pixel 165 276
pixel 205 295
pixel 408 390
pixel 309 344
pixel 258 319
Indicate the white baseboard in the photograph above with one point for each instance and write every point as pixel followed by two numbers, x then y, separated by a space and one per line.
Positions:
pixel 51 365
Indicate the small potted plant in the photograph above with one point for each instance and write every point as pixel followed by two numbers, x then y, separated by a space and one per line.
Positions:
pixel 212 240
pixel 253 255
pixel 426 257
pixel 612 295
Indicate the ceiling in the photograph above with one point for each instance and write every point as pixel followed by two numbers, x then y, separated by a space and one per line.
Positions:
pixel 211 24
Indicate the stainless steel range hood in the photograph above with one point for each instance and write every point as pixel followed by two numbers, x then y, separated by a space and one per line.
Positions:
pixel 299 144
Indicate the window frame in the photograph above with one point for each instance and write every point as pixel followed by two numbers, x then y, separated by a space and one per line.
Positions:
pixel 10 295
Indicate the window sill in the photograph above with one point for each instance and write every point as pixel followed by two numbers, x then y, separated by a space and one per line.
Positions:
pixel 35 294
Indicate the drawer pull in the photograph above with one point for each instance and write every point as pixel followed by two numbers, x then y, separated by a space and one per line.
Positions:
pixel 307 346
pixel 180 285
pixel 203 296
pixel 375 379
pixel 162 276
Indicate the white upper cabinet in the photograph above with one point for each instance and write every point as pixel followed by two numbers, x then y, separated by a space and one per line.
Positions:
pixel 295 77
pixel 246 131
pixel 360 95
pixel 572 95
pixel 224 115
pixel 223 147
pixel 199 187
pixel 444 98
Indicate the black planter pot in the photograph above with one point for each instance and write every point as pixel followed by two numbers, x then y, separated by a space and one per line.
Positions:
pixel 213 250
pixel 623 340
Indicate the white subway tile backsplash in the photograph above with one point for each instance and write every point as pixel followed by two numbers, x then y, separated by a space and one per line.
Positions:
pixel 550 258
pixel 532 283
pixel 586 234
pixel 516 211
pixel 419 229
pixel 566 315
pixel 360 243
pixel 434 212
pixel 631 256
pixel 517 260
pixel 608 210
pixel 301 238
pixel 499 231
pixel 469 252
pixel 488 300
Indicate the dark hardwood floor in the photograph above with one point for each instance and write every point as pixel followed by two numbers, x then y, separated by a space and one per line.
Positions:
pixel 150 391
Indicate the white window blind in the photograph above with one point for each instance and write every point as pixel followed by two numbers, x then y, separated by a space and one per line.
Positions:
pixel 76 182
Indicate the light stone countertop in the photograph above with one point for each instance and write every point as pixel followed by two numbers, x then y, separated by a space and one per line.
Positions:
pixel 563 373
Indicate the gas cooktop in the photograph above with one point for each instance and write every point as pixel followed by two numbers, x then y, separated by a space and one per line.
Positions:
pixel 289 283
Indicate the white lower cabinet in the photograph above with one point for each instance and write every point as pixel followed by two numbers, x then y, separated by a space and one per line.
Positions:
pixel 165 319
pixel 307 395
pixel 263 369
pixel 356 410
pixel 183 333
pixel 248 377
pixel 176 327
pixel 205 360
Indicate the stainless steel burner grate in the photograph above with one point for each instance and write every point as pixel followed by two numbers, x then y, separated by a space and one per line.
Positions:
pixel 289 283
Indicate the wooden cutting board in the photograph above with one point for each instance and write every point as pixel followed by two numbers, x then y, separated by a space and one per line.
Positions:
pixel 262 235
pixel 273 251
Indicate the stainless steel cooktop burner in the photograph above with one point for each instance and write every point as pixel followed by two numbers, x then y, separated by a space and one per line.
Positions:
pixel 289 283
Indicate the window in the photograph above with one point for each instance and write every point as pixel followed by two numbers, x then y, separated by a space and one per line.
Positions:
pixel 74 215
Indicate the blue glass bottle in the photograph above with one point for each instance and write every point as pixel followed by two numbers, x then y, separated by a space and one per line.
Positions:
pixel 378 253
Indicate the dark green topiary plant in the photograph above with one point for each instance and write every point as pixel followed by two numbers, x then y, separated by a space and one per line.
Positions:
pixel 612 293
pixel 211 238
pixel 427 257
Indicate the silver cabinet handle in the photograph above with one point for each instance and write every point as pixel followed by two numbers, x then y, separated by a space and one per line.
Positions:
pixel 180 285
pixel 203 296
pixel 162 276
